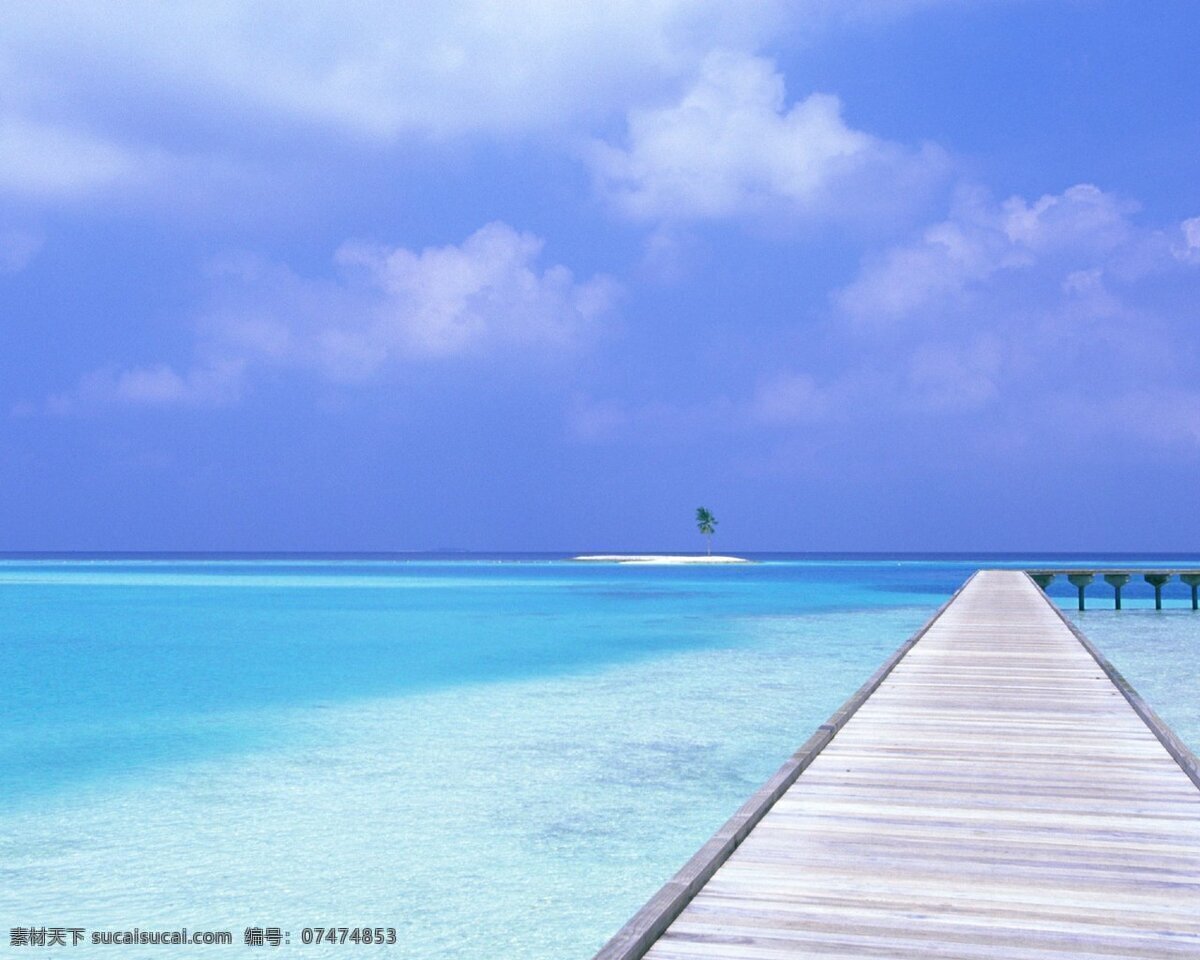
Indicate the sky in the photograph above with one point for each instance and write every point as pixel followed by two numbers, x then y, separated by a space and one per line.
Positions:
pixel 903 275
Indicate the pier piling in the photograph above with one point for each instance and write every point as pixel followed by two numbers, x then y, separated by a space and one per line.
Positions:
pixel 1193 581
pixel 1116 581
pixel 1156 580
pixel 1080 581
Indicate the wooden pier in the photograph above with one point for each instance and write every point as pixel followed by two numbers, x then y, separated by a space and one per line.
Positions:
pixel 997 790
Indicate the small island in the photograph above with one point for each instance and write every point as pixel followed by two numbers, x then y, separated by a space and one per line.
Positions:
pixel 706 523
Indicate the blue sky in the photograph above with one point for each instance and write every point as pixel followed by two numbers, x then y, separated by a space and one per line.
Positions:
pixel 856 275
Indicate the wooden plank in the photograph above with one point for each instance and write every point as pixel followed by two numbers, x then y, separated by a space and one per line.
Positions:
pixel 998 791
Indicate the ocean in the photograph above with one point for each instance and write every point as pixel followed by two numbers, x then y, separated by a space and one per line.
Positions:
pixel 493 756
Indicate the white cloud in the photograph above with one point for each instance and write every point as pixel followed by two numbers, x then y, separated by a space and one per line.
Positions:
pixel 1024 306
pixel 382 69
pixel 1023 329
pixel 41 160
pixel 155 386
pixel 58 163
pixel 1189 249
pixel 485 299
pixel 455 299
pixel 984 248
pixel 732 146
pixel 90 102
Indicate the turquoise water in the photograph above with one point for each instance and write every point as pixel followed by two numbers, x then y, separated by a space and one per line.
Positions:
pixel 497 757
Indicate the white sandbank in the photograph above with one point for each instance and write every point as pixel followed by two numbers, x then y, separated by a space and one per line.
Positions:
pixel 658 558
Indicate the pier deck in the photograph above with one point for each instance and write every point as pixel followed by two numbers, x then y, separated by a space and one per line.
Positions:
pixel 996 795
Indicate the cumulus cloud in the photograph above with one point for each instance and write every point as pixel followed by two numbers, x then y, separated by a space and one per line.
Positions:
pixel 90 103
pixel 985 248
pixel 450 300
pixel 43 160
pixel 64 163
pixel 87 100
pixel 155 386
pixel 485 299
pixel 1031 327
pixel 732 145
pixel 1027 305
pixel 1189 247
pixel 386 69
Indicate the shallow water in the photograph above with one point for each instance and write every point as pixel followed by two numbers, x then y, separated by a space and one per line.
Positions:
pixel 499 759
pixel 1159 653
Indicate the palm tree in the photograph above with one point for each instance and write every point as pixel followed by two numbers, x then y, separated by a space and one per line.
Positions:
pixel 707 525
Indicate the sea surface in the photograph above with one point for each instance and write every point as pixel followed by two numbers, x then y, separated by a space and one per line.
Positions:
pixel 496 756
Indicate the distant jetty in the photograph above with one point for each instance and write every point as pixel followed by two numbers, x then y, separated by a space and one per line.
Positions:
pixel 659 558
